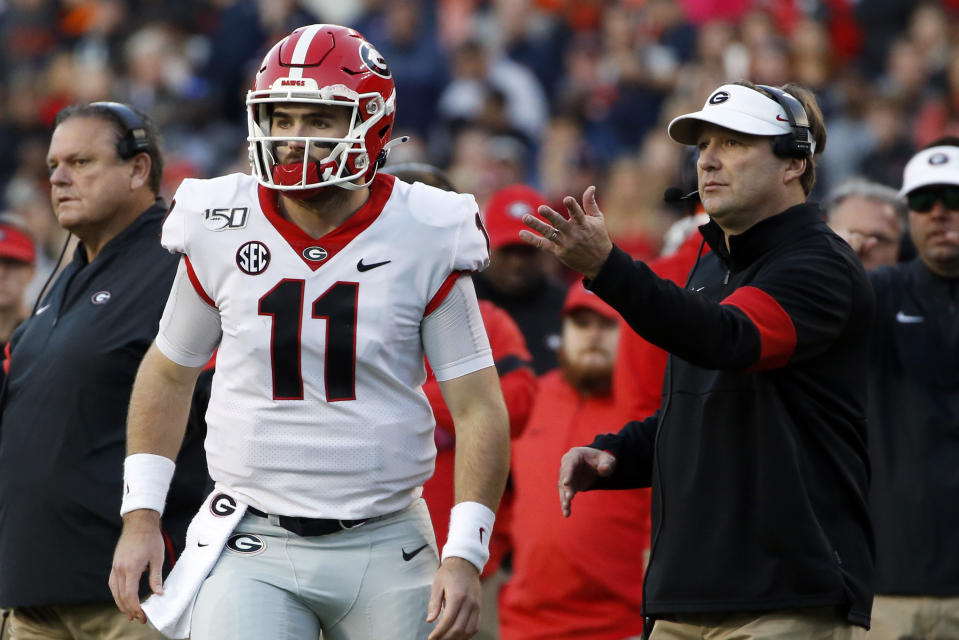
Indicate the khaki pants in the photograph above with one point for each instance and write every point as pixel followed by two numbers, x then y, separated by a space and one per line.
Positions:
pixel 794 624
pixel 77 622
pixel 910 617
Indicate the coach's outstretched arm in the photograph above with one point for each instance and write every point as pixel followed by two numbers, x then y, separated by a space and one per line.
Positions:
pixel 159 408
pixel 482 464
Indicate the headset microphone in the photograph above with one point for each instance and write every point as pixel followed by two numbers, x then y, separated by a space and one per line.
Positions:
pixel 675 194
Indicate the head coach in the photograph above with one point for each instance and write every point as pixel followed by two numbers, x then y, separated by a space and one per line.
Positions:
pixel 757 457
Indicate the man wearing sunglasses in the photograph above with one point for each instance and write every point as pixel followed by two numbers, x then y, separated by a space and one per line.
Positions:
pixel 914 411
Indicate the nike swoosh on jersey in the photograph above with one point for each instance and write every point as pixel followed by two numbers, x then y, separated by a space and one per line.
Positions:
pixel 409 556
pixel 907 319
pixel 366 267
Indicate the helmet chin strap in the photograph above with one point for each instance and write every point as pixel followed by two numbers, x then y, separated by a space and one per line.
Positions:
pixel 293 174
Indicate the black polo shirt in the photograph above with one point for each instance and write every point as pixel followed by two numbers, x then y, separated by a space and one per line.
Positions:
pixel 63 428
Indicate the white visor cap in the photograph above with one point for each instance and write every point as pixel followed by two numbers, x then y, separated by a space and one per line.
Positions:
pixel 935 165
pixel 735 107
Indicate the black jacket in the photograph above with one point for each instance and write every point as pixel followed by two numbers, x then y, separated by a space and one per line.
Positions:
pixel 914 431
pixel 757 457
pixel 63 428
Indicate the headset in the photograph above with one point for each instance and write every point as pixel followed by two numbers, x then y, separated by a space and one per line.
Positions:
pixel 134 139
pixel 799 143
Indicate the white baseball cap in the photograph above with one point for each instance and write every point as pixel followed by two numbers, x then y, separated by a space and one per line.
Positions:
pixel 735 107
pixel 935 165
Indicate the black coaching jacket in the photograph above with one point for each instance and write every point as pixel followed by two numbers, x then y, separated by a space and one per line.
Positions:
pixel 757 457
pixel 63 428
pixel 914 431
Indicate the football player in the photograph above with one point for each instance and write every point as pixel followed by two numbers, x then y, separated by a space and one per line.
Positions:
pixel 323 284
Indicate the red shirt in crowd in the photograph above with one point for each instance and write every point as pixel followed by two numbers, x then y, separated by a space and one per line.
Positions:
pixel 582 576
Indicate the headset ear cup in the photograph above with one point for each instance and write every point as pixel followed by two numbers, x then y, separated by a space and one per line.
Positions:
pixel 785 146
pixel 782 146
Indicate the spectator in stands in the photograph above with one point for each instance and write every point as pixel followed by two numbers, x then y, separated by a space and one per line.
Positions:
pixel 17 256
pixel 520 279
pixel 580 577
pixel 914 411
pixel 869 216
pixel 476 74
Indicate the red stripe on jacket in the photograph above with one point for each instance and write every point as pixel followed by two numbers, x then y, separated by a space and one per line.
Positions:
pixel 777 334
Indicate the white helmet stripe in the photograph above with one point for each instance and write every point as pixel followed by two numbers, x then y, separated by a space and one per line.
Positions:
pixel 302 46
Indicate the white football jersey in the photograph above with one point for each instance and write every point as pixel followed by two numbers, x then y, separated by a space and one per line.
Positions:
pixel 317 408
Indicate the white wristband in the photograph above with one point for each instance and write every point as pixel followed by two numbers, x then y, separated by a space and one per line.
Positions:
pixel 146 480
pixel 471 525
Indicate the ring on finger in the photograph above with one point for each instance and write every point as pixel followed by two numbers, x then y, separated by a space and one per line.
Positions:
pixel 552 235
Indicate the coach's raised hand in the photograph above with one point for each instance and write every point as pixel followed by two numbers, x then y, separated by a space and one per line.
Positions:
pixel 581 241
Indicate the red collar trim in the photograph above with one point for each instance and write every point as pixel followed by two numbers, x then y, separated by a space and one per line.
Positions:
pixel 334 241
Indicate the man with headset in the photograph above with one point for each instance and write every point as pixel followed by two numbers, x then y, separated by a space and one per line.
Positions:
pixel 71 370
pixel 757 458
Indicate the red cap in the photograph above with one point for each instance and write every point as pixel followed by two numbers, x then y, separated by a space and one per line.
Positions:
pixel 505 211
pixel 16 244
pixel 579 297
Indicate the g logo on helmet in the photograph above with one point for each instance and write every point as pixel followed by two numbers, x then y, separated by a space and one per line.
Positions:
pixel 719 97
pixel 372 59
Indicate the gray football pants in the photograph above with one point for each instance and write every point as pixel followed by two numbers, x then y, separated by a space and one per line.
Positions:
pixel 367 583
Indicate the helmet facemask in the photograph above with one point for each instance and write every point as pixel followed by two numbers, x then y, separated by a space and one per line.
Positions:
pixel 347 162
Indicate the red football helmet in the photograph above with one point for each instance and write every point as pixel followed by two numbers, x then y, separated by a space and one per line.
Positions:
pixel 330 65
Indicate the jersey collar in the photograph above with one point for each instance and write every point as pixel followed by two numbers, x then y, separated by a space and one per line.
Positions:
pixel 334 241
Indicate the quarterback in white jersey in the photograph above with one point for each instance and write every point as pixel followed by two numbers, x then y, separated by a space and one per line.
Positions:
pixel 322 285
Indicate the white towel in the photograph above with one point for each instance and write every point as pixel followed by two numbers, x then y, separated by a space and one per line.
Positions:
pixel 206 536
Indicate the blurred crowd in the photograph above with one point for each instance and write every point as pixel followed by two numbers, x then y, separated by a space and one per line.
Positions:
pixel 553 93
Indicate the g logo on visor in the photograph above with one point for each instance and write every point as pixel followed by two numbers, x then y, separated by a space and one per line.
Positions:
pixel 938 158
pixel 719 97
pixel 372 59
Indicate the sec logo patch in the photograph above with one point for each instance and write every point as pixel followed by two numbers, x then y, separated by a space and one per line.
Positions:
pixel 253 258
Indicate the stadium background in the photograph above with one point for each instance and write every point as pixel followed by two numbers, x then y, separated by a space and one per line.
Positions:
pixel 558 94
